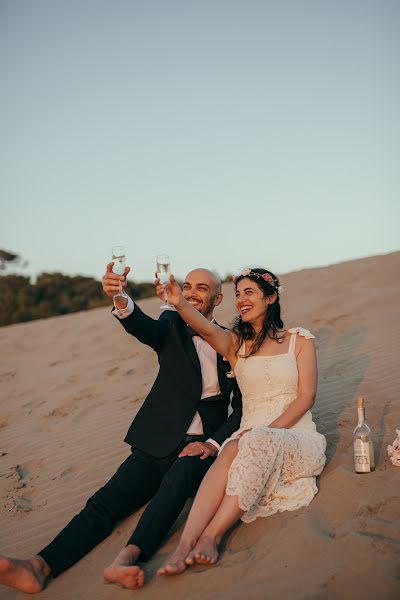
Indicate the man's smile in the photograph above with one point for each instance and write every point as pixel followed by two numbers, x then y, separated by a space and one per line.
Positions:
pixel 194 301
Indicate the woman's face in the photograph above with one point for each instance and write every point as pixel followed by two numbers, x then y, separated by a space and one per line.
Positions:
pixel 251 302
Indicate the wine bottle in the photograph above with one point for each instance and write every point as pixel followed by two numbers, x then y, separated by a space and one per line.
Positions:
pixel 364 461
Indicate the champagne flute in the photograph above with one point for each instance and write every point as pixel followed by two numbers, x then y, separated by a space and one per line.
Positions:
pixel 163 273
pixel 118 256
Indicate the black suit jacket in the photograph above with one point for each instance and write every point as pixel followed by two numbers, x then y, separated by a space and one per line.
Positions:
pixel 172 402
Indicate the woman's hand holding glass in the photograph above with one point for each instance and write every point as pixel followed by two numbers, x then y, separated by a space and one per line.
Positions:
pixel 170 291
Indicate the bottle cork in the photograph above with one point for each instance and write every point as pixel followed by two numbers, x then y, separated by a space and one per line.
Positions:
pixel 360 401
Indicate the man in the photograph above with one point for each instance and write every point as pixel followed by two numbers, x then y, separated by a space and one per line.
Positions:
pixel 174 438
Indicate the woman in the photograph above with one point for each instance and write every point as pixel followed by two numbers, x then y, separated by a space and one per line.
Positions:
pixel 270 463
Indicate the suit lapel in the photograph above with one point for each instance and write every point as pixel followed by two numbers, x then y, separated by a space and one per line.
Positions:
pixel 190 348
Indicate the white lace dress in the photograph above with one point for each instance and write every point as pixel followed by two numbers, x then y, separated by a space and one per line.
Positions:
pixel 274 469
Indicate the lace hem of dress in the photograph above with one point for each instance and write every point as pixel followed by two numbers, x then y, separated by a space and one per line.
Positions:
pixel 301 494
pixel 274 470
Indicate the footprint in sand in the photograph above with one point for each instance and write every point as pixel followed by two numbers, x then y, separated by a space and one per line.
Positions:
pixel 20 479
pixel 380 522
pixel 57 412
pixel 21 504
pixel 69 472
pixel 112 371
pixel 71 405
pixel 230 558
pixel 7 376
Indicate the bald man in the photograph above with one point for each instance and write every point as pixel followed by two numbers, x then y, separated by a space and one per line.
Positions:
pixel 174 439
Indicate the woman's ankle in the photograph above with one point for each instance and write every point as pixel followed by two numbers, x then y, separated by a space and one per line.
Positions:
pixel 187 543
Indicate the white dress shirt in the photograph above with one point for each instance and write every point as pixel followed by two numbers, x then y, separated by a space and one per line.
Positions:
pixel 209 373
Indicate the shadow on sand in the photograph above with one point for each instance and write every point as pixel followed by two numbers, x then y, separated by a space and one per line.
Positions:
pixel 341 369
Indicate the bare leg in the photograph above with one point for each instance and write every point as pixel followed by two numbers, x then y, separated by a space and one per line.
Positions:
pixel 205 505
pixel 28 576
pixel 206 550
pixel 124 571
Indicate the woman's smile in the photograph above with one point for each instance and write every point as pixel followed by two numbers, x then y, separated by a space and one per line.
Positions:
pixel 245 308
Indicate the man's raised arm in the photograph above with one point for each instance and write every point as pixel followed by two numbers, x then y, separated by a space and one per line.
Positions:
pixel 135 321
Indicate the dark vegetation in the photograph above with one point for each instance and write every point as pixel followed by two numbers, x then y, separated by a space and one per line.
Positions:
pixel 52 294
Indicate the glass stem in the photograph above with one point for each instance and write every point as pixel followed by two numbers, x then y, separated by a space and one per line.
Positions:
pixel 121 290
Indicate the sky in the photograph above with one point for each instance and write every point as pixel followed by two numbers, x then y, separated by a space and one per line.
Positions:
pixel 224 133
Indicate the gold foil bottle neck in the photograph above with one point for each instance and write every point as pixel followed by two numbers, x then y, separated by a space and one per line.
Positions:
pixel 360 401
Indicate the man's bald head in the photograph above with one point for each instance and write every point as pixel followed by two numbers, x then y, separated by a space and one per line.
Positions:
pixel 210 277
pixel 202 288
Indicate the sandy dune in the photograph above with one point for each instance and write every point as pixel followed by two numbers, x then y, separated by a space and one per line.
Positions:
pixel 70 386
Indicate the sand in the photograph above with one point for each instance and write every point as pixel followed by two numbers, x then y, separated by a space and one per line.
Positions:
pixel 71 385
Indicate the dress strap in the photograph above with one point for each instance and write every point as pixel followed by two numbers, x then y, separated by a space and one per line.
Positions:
pixel 292 343
pixel 242 350
pixel 293 335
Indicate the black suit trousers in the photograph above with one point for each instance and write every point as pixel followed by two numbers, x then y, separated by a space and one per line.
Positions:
pixel 168 482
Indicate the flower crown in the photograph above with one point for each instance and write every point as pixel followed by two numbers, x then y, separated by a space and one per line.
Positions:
pixel 266 276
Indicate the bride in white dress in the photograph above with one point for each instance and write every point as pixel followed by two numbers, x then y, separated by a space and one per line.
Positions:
pixel 271 462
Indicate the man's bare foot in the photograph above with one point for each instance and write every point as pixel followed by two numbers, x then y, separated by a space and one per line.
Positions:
pixel 176 563
pixel 124 570
pixel 205 552
pixel 27 576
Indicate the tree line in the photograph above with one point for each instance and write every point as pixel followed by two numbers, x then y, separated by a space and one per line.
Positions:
pixel 52 294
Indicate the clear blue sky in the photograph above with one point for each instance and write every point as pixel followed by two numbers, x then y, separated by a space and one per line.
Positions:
pixel 221 132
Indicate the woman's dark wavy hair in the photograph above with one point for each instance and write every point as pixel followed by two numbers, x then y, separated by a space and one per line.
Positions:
pixel 273 323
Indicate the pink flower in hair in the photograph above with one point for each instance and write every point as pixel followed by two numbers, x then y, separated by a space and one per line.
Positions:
pixel 246 272
pixel 267 277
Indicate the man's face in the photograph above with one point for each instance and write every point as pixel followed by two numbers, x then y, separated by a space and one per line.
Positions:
pixel 202 290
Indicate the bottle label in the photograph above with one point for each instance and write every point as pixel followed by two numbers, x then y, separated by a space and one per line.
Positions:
pixel 371 455
pixel 362 462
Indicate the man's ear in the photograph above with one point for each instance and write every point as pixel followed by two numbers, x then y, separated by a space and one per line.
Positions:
pixel 218 299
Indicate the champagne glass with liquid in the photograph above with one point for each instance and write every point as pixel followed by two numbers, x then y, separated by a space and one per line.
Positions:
pixel 163 273
pixel 118 256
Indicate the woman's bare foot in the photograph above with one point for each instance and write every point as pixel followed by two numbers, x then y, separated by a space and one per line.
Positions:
pixel 124 570
pixel 176 563
pixel 205 552
pixel 28 576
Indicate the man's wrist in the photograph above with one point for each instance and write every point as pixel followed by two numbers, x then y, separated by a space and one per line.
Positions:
pixel 122 313
pixel 213 443
pixel 120 302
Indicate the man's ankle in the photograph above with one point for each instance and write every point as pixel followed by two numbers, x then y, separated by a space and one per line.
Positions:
pixel 133 550
pixel 39 564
